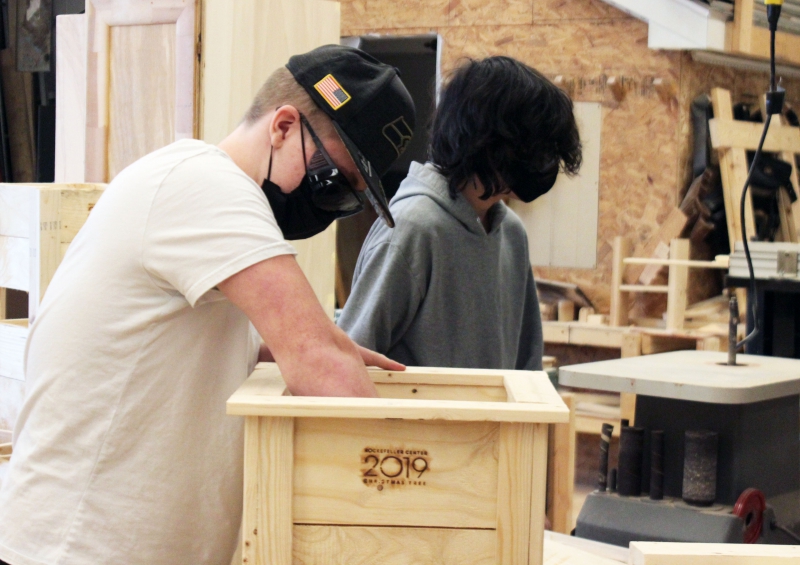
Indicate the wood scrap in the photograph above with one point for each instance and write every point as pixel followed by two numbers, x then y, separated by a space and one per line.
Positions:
pixel 584 313
pixel 692 213
pixel 566 311
pixel 552 291
pixel 671 228
pixel 714 309
pixel 597 320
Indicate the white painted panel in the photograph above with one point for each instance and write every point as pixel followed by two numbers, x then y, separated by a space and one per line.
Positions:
pixel 562 224
pixel 15 209
pixel 15 260
pixel 12 350
pixel 70 163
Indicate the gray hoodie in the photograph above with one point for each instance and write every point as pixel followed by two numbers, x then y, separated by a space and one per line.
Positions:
pixel 439 291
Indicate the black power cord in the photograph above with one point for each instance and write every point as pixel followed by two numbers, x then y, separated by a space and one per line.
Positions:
pixel 775 98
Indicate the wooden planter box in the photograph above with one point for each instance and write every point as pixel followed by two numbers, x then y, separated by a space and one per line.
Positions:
pixel 448 467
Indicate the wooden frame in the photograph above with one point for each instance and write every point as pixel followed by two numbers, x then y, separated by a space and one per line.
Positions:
pixel 679 265
pixel 102 17
pixel 37 224
pixel 742 37
pixel 732 139
pixel 313 494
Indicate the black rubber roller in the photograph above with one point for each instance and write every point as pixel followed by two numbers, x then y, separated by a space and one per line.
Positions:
pixel 629 471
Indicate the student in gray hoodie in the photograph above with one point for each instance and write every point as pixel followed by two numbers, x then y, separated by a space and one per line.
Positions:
pixel 451 285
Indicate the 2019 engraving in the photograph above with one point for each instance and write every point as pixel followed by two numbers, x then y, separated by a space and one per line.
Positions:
pixel 383 467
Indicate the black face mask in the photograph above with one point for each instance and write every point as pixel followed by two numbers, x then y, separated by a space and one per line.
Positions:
pixel 530 185
pixel 323 196
pixel 296 213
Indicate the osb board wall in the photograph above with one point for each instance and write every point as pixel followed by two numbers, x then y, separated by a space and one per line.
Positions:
pixel 646 140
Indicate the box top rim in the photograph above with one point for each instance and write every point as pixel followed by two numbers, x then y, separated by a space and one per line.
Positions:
pixel 531 398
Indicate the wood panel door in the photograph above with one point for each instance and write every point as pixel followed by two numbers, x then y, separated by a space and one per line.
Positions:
pixel 140 80
pixel 244 41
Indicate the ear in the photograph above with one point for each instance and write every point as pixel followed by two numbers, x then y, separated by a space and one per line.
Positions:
pixel 283 121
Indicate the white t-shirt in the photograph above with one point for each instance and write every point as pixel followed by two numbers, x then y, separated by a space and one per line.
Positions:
pixel 123 452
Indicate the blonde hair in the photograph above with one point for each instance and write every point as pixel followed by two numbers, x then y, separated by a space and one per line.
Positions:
pixel 282 89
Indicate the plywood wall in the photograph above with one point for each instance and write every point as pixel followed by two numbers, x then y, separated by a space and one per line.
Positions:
pixel 646 138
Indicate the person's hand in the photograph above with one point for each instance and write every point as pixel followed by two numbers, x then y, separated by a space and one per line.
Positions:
pixel 373 359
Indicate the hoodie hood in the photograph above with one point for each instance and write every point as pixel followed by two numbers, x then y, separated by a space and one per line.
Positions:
pixel 426 180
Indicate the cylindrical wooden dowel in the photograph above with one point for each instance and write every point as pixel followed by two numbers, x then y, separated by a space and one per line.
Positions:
pixel 629 474
pixel 566 311
pixel 700 467
pixel 602 473
pixel 657 465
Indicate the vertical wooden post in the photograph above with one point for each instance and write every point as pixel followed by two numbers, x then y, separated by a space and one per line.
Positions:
pixel 45 243
pixel 515 481
pixel 250 534
pixel 743 26
pixel 538 496
pixel 561 470
pixel 267 508
pixel 619 299
pixel 733 168
pixel 631 347
pixel 678 281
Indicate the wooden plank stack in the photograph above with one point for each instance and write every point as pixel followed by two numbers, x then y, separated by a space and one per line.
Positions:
pixel 449 466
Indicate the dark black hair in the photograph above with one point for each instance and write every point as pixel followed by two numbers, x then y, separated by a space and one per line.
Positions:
pixel 497 117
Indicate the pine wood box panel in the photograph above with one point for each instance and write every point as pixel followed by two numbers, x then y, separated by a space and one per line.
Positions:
pixel 449 466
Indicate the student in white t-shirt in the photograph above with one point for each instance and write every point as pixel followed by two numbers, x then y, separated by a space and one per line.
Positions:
pixel 122 452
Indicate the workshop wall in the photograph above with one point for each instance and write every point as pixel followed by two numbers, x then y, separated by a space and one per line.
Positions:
pixel 645 164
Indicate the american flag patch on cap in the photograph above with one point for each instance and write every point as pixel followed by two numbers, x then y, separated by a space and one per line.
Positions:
pixel 332 92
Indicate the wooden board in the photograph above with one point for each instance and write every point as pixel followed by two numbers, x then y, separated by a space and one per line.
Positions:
pixel 268 490
pixel 561 470
pixel 263 395
pixel 514 492
pixel 13 335
pixel 653 553
pixel 140 80
pixel 563 222
pixel 37 223
pixel 70 165
pixel 332 545
pixel 619 297
pixel 141 92
pixel 12 393
pixel 678 283
pixel 243 43
pixel 732 164
pixel 457 487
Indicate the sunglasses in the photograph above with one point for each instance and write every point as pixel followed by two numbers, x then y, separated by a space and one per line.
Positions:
pixel 330 189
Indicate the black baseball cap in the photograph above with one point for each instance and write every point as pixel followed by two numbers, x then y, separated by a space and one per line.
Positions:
pixel 369 105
